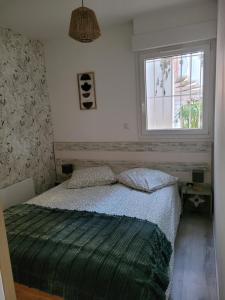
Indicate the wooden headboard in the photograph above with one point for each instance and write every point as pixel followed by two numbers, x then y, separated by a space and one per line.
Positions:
pixel 176 158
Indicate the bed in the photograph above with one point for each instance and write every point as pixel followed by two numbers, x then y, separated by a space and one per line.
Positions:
pixel 118 202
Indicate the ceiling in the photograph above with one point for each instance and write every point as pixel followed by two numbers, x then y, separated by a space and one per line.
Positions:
pixel 46 19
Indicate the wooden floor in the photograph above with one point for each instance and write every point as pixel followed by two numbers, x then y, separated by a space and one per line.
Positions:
pixel 194 273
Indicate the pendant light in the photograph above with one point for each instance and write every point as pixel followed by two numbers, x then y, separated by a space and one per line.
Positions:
pixel 84 25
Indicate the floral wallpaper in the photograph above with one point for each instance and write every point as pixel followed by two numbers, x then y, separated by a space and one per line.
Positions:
pixel 26 134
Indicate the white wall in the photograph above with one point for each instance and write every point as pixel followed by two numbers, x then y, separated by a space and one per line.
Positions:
pixel 220 151
pixel 174 17
pixel 116 117
pixel 175 25
pixel 113 62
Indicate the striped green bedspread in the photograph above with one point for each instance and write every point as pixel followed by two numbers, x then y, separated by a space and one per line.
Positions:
pixel 87 256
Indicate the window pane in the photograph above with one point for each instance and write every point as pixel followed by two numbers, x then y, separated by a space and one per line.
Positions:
pixel 174 91
pixel 162 108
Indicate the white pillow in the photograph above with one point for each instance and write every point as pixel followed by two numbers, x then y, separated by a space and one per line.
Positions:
pixel 146 180
pixel 94 176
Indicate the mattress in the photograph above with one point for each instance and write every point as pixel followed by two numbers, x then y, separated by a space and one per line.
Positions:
pixel 162 207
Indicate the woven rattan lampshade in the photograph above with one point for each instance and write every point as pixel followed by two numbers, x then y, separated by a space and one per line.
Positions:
pixel 84 25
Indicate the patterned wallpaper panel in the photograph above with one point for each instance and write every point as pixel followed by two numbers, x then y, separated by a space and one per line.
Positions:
pixel 26 134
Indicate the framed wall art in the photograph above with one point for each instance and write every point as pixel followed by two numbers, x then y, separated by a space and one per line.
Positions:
pixel 87 93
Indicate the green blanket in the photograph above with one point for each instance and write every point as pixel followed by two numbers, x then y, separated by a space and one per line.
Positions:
pixel 82 255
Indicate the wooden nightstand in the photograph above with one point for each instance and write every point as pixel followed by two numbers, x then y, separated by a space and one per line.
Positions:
pixel 197 198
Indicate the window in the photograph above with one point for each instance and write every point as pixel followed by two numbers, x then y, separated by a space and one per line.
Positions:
pixel 175 90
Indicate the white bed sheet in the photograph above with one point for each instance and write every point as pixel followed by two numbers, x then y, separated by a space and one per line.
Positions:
pixel 161 207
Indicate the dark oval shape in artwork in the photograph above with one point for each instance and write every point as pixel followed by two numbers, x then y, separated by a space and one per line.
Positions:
pixel 87 105
pixel 86 87
pixel 85 77
pixel 86 95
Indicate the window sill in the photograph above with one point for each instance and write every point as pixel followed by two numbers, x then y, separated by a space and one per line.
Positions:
pixel 176 135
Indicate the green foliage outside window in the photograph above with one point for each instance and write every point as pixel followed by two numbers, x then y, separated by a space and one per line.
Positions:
pixel 190 114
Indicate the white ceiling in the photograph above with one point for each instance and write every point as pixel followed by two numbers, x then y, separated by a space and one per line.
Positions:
pixel 46 19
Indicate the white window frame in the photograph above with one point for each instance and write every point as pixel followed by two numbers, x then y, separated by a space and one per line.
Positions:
pixel 208 91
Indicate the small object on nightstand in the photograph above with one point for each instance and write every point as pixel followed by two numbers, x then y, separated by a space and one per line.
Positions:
pixel 67 169
pixel 197 198
pixel 198 176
